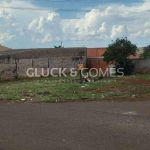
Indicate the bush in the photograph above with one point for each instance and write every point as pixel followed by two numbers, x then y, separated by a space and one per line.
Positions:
pixel 128 67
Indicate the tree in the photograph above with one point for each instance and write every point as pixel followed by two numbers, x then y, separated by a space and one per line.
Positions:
pixel 119 51
pixel 60 46
pixel 146 53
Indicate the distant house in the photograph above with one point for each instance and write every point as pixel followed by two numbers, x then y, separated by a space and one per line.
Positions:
pixel 95 58
pixel 3 48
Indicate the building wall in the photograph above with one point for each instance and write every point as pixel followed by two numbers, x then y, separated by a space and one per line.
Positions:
pixel 142 65
pixel 16 63
pixel 95 59
pixel 95 63
pixel 98 64
pixel 95 52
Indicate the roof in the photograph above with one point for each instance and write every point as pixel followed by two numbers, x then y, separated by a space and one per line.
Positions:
pixel 3 48
pixel 134 57
pixel 98 52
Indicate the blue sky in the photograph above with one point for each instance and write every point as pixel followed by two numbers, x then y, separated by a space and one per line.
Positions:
pixel 83 4
pixel 90 23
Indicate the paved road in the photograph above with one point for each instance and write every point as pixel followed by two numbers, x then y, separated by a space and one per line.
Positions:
pixel 75 126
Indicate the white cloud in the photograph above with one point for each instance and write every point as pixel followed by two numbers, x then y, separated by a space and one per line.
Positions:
pixel 147 32
pixel 107 23
pixel 136 35
pixel 117 31
pixel 147 29
pixel 47 38
pixel 7 27
pixel 47 28
pixel 147 24
pixel 6 37
pixel 102 29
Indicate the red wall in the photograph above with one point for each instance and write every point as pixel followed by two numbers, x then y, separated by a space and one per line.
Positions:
pixel 95 52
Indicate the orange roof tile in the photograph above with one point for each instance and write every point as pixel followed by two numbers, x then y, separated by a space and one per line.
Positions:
pixel 134 57
pixel 98 52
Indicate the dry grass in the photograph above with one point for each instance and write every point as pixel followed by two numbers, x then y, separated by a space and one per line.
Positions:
pixel 3 48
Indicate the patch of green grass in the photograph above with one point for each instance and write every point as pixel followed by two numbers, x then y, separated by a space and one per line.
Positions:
pixel 144 76
pixel 60 89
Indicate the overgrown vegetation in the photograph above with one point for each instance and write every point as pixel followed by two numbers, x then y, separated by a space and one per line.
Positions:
pixel 132 88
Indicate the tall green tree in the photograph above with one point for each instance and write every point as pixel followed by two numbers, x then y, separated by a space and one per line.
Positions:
pixel 119 51
pixel 146 53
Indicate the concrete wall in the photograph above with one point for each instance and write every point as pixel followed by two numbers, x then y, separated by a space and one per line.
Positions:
pixel 15 64
pixel 142 65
